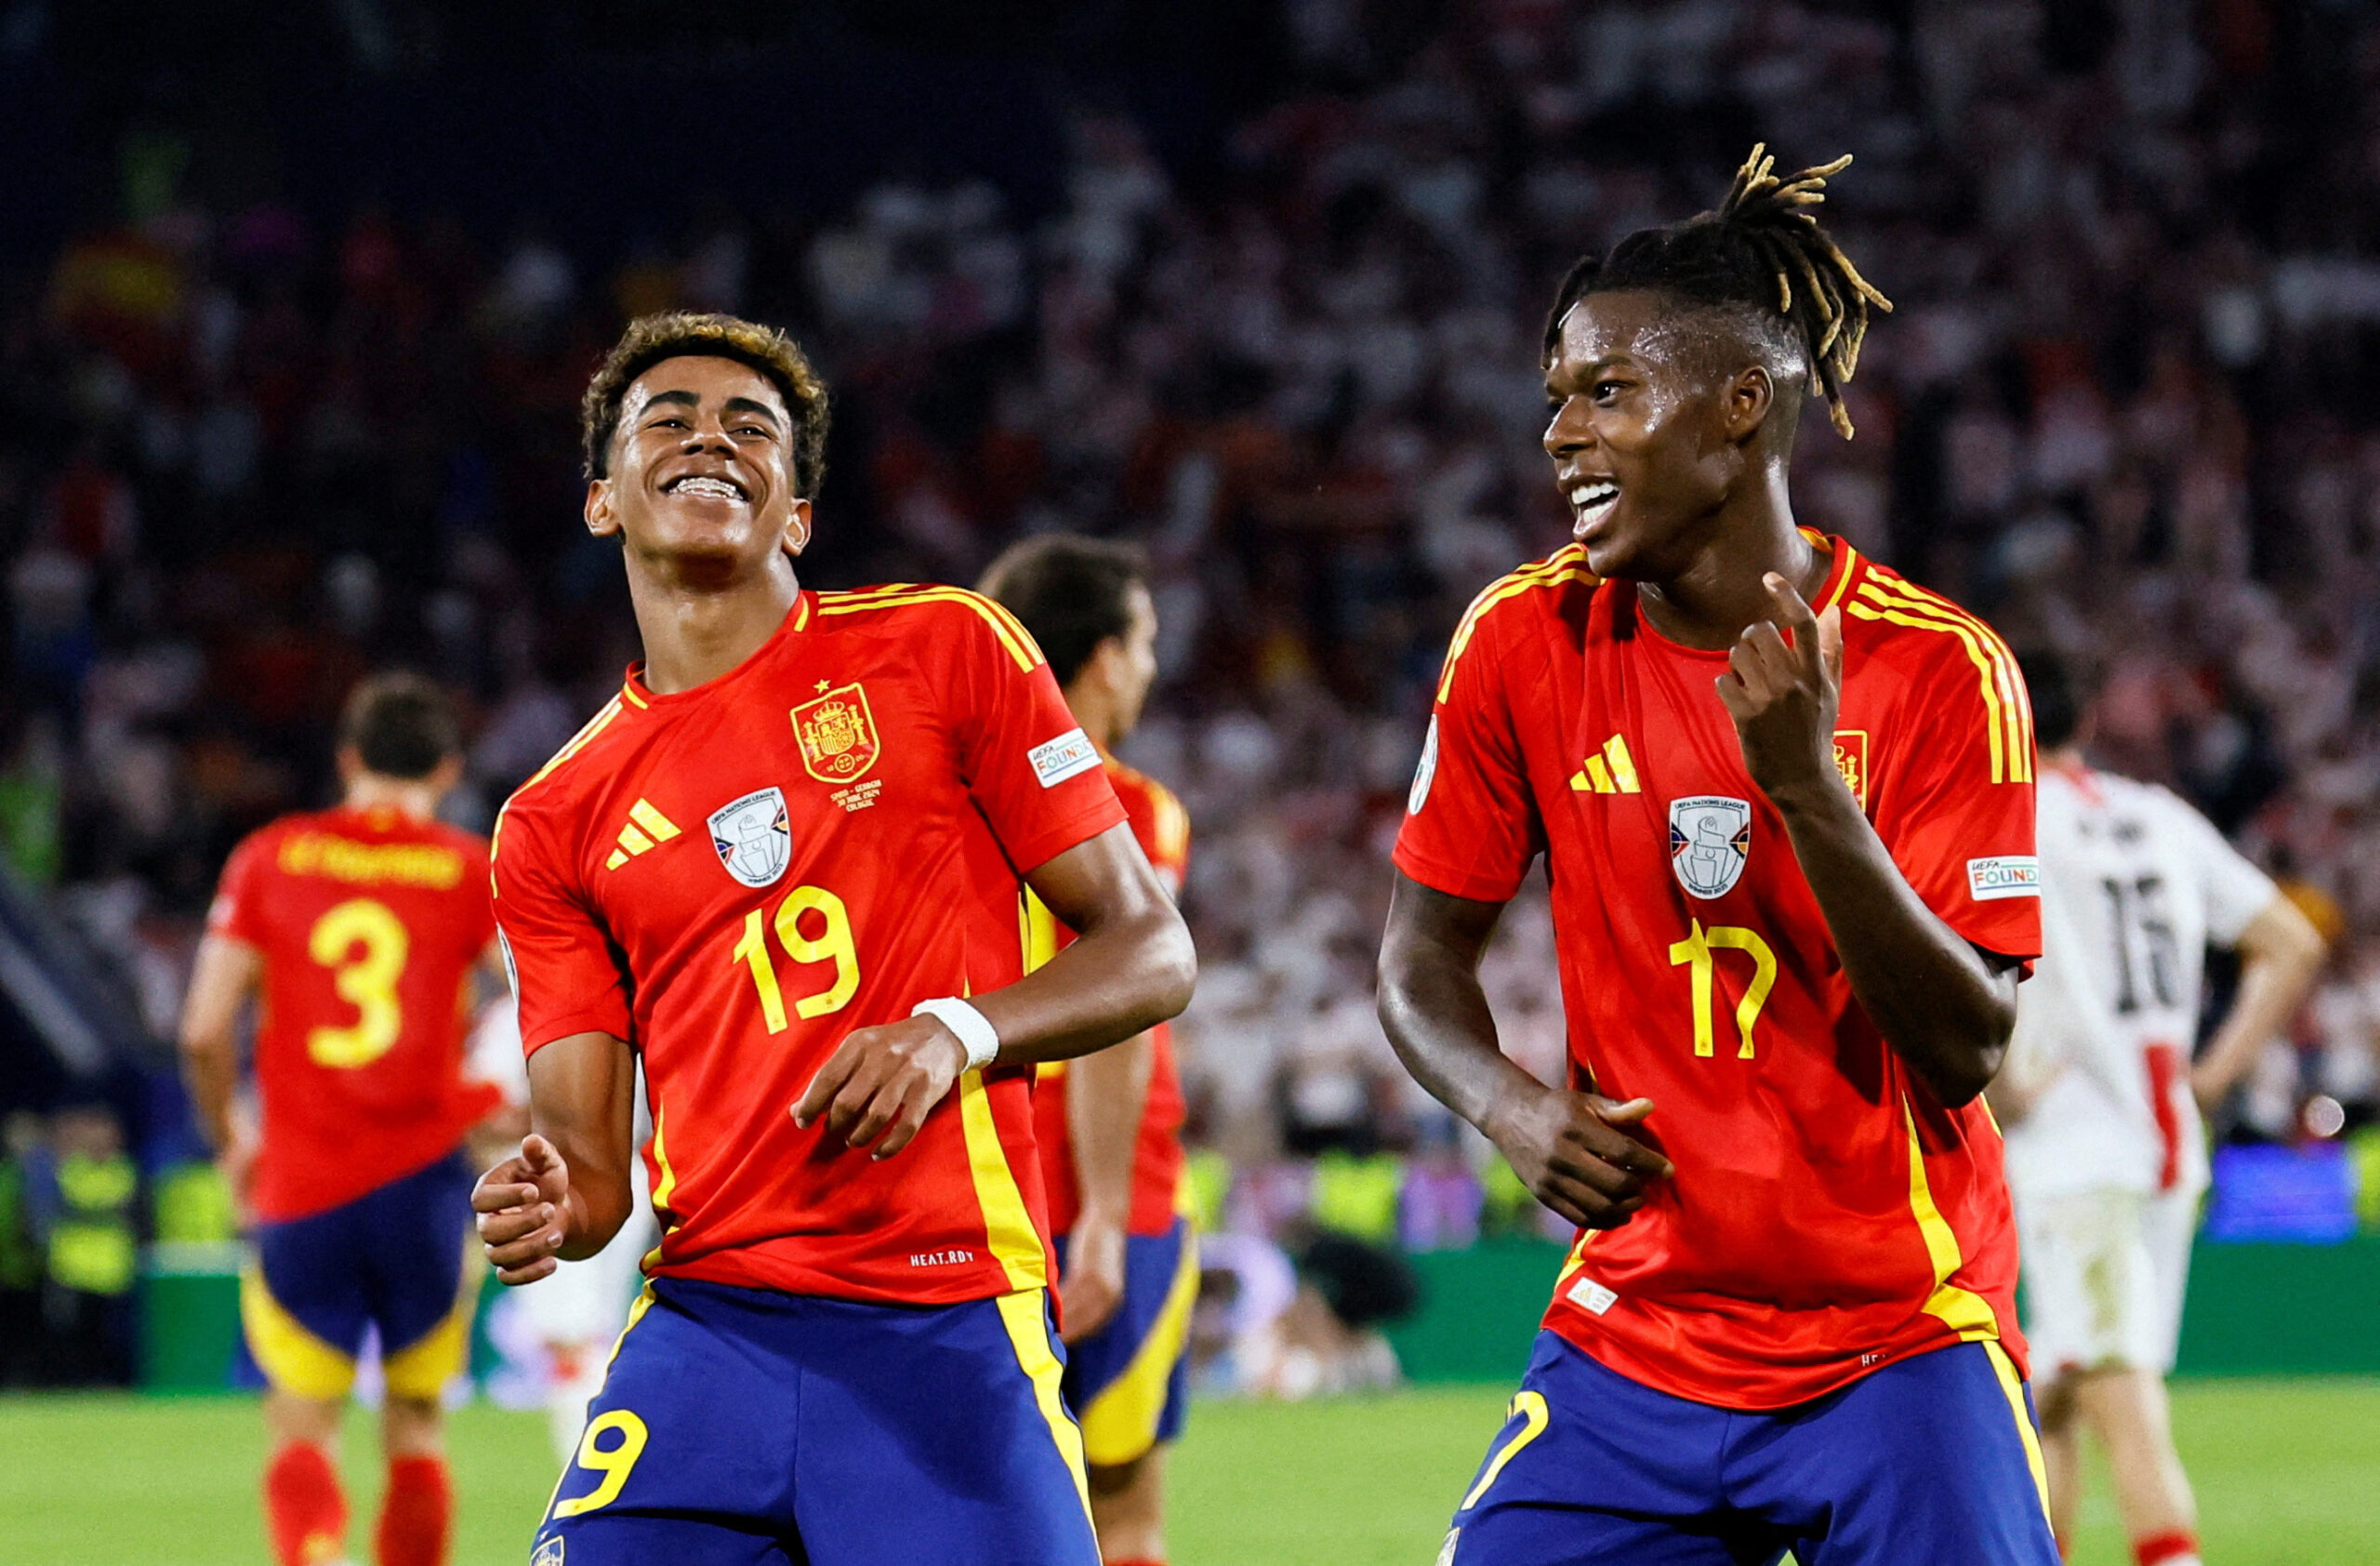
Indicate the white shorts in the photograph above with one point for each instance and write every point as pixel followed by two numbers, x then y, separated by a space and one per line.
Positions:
pixel 2105 1272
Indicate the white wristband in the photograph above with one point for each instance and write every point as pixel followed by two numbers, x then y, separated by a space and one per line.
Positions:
pixel 974 1030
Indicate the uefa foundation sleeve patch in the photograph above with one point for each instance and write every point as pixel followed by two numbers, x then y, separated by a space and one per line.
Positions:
pixel 1070 755
pixel 2008 875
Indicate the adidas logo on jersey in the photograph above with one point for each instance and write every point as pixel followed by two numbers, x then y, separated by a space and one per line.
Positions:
pixel 647 829
pixel 1613 772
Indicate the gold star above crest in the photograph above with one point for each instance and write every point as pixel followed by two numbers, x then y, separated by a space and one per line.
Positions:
pixel 822 686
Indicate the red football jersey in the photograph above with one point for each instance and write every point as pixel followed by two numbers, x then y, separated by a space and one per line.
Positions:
pixel 735 877
pixel 1163 829
pixel 1828 1215
pixel 369 922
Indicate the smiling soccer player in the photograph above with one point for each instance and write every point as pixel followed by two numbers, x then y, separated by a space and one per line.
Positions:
pixel 1792 854
pixel 777 867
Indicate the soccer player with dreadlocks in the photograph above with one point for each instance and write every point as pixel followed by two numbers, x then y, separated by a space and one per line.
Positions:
pixel 1791 856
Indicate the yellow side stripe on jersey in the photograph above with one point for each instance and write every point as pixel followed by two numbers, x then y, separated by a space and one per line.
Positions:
pixel 1008 1227
pixel 1011 633
pixel 1563 565
pixel 1966 1313
pixel 2006 724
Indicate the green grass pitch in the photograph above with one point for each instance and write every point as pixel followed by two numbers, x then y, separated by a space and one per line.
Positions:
pixel 2284 1469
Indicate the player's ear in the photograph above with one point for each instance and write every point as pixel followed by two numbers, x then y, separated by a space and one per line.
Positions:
pixel 602 519
pixel 1750 396
pixel 796 528
pixel 446 776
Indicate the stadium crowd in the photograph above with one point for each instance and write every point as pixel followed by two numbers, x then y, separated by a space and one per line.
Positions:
pixel 2120 408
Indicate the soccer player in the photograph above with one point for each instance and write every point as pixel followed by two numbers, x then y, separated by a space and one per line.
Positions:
pixel 2106 1150
pixel 784 868
pixel 357 930
pixel 1110 1124
pixel 1791 857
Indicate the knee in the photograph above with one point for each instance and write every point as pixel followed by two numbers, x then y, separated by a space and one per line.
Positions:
pixel 412 1426
pixel 1115 1479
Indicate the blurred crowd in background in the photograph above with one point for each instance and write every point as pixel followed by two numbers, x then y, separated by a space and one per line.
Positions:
pixel 2123 409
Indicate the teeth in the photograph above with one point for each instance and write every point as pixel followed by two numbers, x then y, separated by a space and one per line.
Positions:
pixel 1587 495
pixel 719 488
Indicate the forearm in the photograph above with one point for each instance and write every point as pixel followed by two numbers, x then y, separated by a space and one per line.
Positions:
pixel 1435 1014
pixel 581 1099
pixel 2272 985
pixel 211 1072
pixel 1943 1009
pixel 1106 1091
pixel 1121 976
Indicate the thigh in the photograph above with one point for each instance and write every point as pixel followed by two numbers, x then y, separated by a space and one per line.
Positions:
pixel 1127 1383
pixel 2088 1293
pixel 696 1420
pixel 938 1435
pixel 2169 1226
pixel 305 1302
pixel 1935 1458
pixel 1589 1466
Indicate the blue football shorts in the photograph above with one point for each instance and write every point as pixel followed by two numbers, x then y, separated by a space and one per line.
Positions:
pixel 401 1257
pixel 1128 1383
pixel 1932 1459
pixel 747 1428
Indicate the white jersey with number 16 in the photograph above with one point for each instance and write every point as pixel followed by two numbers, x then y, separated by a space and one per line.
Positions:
pixel 2134 885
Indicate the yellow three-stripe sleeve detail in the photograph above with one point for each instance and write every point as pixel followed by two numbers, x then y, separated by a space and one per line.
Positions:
pixel 1563 565
pixel 1011 631
pixel 2005 722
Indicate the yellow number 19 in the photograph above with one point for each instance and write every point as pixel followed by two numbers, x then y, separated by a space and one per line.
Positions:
pixel 1694 952
pixel 832 944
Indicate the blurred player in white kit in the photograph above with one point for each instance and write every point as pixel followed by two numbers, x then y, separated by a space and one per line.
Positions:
pixel 2101 1102
pixel 579 1311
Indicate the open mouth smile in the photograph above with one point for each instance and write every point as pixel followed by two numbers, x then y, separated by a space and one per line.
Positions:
pixel 703 487
pixel 1591 502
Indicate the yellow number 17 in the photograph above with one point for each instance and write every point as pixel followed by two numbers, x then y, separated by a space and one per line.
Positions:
pixel 1695 952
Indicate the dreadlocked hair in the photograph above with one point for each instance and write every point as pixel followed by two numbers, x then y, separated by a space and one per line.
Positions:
pixel 1762 251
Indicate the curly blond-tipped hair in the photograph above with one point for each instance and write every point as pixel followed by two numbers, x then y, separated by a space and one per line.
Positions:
pixel 652 338
pixel 1765 251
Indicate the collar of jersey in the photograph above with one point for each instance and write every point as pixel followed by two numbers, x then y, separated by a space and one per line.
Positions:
pixel 635 697
pixel 1838 575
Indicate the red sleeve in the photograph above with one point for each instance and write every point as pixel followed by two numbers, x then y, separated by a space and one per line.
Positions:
pixel 1159 825
pixel 565 979
pixel 1470 826
pixel 1041 783
pixel 241 903
pixel 1957 811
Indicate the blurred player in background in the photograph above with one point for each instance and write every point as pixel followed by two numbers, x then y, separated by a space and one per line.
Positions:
pixel 1110 1124
pixel 2107 1154
pixel 1791 911
pixel 782 868
pixel 357 930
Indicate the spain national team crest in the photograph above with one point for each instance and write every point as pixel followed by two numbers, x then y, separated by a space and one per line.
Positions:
pixel 1710 840
pixel 550 1551
pixel 1851 759
pixel 838 735
pixel 752 838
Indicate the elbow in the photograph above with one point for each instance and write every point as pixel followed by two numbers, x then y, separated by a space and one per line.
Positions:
pixel 1960 1073
pixel 1172 962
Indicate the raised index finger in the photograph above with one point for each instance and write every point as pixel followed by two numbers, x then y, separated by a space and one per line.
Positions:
pixel 1794 612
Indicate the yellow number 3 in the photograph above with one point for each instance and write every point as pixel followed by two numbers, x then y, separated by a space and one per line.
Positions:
pixel 614 1462
pixel 365 944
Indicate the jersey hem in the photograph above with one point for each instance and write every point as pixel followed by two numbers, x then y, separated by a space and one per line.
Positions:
pixel 1707 1392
